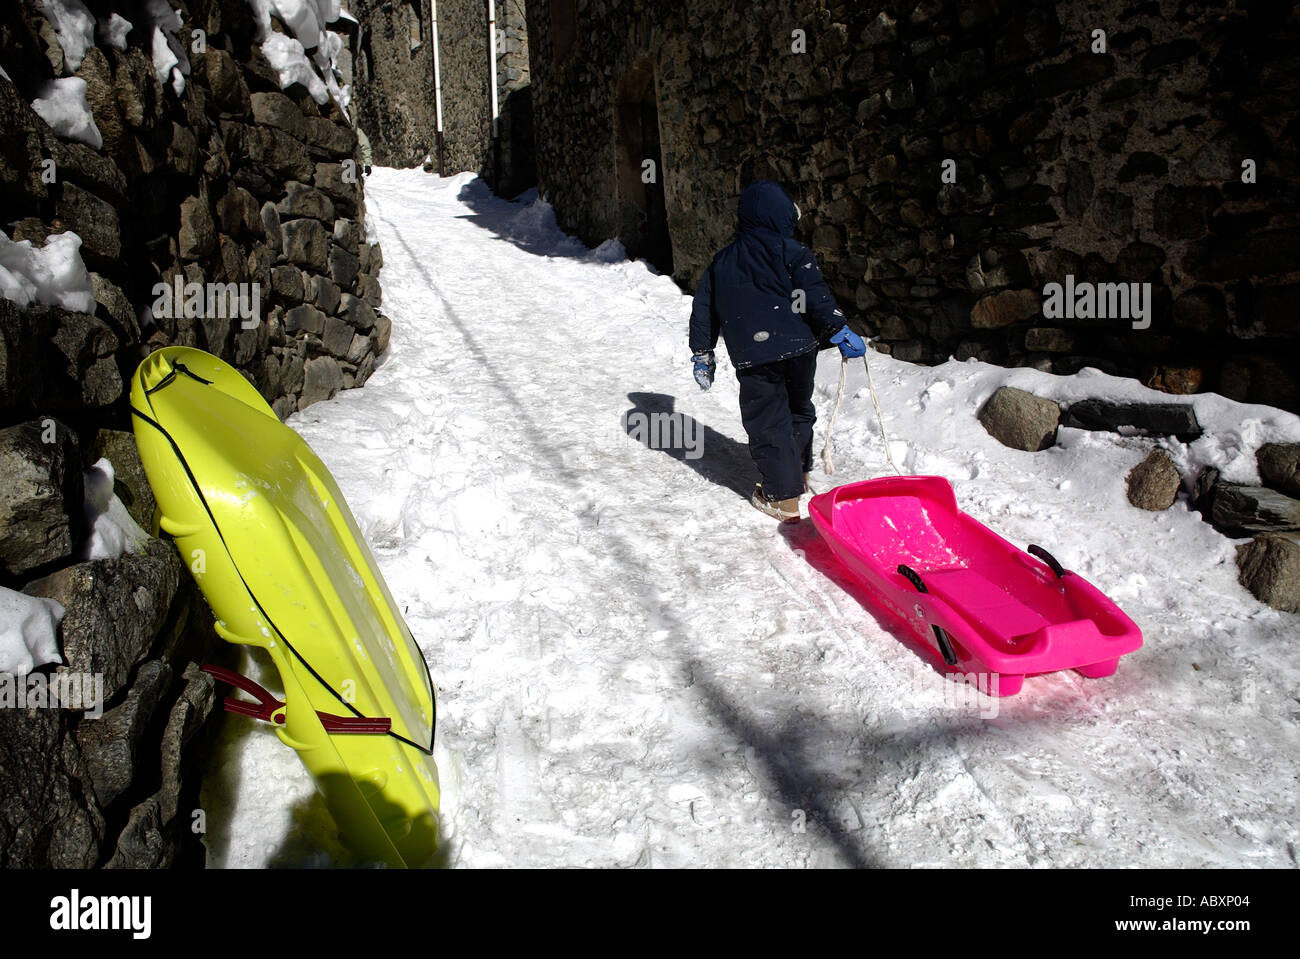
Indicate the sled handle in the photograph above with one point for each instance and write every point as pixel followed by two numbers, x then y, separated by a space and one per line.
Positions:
pixel 913 577
pixel 1049 559
pixel 267 708
pixel 940 634
pixel 945 644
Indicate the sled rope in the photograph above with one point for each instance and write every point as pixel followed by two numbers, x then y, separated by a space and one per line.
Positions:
pixel 839 396
pixel 880 418
pixel 827 464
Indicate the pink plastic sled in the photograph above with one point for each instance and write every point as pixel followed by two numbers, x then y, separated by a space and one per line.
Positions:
pixel 971 597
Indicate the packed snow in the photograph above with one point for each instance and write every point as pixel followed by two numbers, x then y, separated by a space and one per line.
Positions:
pixel 636 668
pixel 29 632
pixel 53 275
pixel 74 26
pixel 113 31
pixel 111 529
pixel 170 61
pixel 305 21
pixel 62 104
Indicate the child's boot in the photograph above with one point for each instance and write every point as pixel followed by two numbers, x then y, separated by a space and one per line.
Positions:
pixel 783 509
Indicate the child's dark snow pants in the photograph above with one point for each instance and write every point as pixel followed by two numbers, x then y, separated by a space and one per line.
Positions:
pixel 777 411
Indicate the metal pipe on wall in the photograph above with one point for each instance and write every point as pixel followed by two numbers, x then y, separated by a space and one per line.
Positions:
pixel 437 87
pixel 492 60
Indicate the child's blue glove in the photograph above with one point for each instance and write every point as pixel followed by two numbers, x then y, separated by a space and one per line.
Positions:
pixel 705 366
pixel 850 344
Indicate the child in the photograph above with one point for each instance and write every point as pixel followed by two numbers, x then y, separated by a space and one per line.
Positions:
pixel 765 295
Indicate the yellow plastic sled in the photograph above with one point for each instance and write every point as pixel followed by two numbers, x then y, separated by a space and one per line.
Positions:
pixel 277 553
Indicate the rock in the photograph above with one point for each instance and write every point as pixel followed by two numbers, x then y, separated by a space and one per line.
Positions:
pixel 198 234
pixel 272 150
pixel 358 349
pixel 368 289
pixel 1042 339
pixel 1279 466
pixel 247 345
pixel 303 200
pixel 115 609
pixel 91 219
pixel 234 264
pixel 292 367
pixel 327 138
pixel 142 843
pixel 1180 380
pixel 1241 510
pixel 338 337
pixel 330 179
pixel 304 318
pixel 183 151
pixel 101 98
pixel 323 293
pixel 48 817
pixel 1005 308
pixel 357 312
pixel 87 374
pixel 260 260
pixel 129 480
pixel 110 744
pixel 114 302
pixel 78 163
pixel 271 226
pixel 238 214
pixel 1145 419
pixel 226 82
pixel 1153 483
pixel 1269 566
pixel 20 354
pixel 277 110
pixel 41 498
pixel 366 368
pixel 322 379
pixel 21 154
pixel 383 329
pixel 348 234
pixel 305 243
pixel 1203 491
pixel 1020 420
pixel 187 716
pixel 138 93
pixel 343 267
pixel 286 283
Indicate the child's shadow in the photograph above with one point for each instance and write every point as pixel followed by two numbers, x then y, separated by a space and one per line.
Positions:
pixel 654 423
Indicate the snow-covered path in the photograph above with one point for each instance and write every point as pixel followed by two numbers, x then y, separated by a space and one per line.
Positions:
pixel 635 668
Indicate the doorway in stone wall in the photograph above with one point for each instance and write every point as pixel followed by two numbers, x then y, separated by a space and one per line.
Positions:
pixel 639 180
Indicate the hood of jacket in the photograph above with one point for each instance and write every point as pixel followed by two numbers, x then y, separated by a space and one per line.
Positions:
pixel 765 205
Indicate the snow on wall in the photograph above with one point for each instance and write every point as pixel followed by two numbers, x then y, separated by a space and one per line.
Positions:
pixel 53 275
pixel 74 26
pixel 288 53
pixel 112 530
pixel 169 57
pixel 29 628
pixel 63 106
pixel 113 31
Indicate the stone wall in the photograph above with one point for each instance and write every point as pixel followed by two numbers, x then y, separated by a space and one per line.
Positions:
pixel 393 79
pixel 233 180
pixel 1116 166
pixel 396 95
